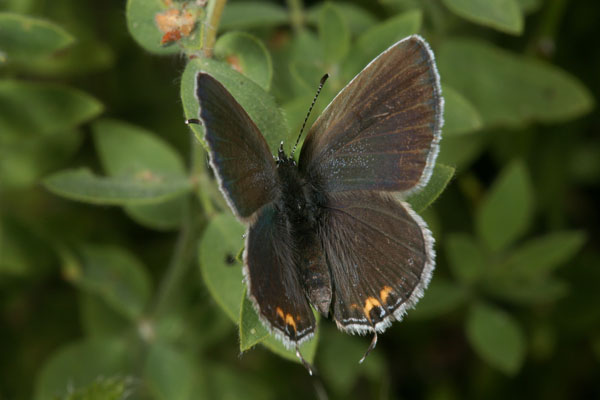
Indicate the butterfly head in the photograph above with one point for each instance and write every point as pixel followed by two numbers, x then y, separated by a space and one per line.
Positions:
pixel 282 158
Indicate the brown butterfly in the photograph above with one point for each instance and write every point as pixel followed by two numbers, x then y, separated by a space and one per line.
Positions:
pixel 328 230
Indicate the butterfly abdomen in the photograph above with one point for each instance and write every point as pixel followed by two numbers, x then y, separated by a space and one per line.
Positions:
pixel 300 206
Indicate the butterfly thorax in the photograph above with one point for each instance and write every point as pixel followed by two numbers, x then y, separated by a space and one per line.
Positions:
pixel 301 208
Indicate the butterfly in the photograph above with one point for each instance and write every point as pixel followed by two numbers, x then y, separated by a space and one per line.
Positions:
pixel 331 231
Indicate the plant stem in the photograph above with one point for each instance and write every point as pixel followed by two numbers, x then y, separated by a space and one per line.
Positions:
pixel 296 13
pixel 180 261
pixel 214 10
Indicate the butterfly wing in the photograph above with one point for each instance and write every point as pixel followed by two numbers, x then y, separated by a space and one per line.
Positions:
pixel 381 258
pixel 247 176
pixel 272 279
pixel 381 132
pixel 239 153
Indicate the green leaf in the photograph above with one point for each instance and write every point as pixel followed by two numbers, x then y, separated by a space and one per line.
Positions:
pixel 252 330
pixel 259 105
pixel 30 109
pixel 252 14
pixel 98 318
pixel 529 6
pixel 84 57
pixel 219 244
pixel 127 150
pixel 509 89
pixel 540 256
pixel 507 209
pixel 334 35
pixel 338 360
pixel 526 291
pixel 460 150
pixel 226 383
pixel 441 176
pixel 460 116
pixel 23 250
pixel 307 349
pixel 381 36
pixel 496 337
pixel 144 188
pixel 24 38
pixel 441 297
pixel 163 216
pixel 113 274
pixel 102 389
pixel 466 257
pixel 24 160
pixel 142 26
pixel 169 374
pixel 247 55
pixel 80 364
pixel 503 15
pixel 357 18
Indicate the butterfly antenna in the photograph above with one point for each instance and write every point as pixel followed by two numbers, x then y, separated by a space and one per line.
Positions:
pixel 306 364
pixel 371 347
pixel 321 83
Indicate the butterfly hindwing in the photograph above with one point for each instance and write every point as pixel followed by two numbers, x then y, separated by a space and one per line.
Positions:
pixel 381 258
pixel 381 132
pixel 239 153
pixel 272 278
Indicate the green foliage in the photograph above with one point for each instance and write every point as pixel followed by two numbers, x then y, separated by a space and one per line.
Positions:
pixel 107 302
pixel 23 38
pixel 496 337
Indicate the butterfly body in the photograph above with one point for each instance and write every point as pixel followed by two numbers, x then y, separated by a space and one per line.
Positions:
pixel 332 231
pixel 301 205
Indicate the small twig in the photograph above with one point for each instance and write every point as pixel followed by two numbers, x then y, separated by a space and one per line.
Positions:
pixel 214 10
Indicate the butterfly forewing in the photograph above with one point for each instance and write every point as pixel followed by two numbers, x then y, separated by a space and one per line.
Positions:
pixel 381 132
pixel 381 258
pixel 273 281
pixel 239 153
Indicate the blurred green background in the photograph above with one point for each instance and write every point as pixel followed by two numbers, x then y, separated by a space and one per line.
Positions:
pixel 119 268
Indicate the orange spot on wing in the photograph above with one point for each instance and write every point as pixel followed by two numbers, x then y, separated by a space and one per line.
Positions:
pixel 370 303
pixel 385 293
pixel 289 320
pixel 280 313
